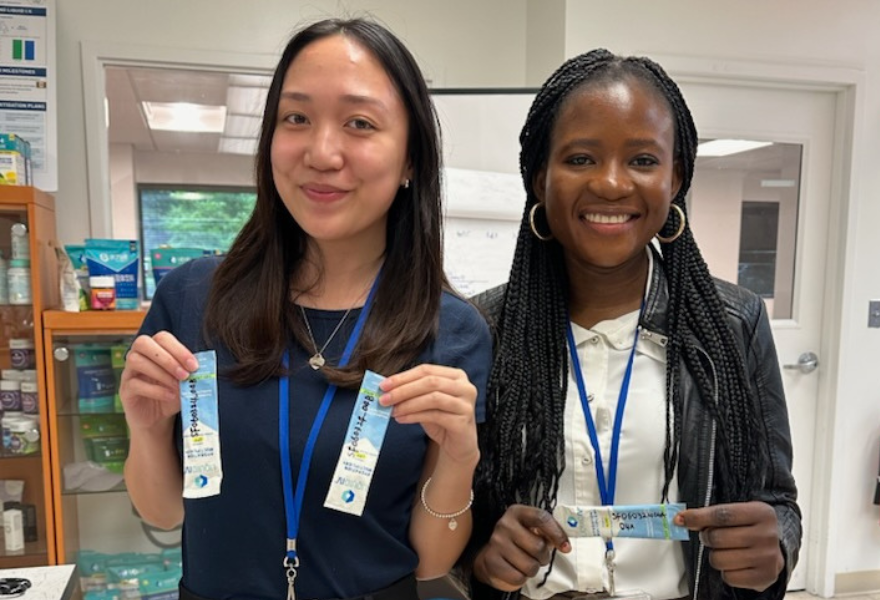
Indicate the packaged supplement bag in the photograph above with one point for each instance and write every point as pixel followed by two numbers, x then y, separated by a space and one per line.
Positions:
pixel 120 259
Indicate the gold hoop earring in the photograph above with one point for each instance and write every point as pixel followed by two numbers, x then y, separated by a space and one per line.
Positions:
pixel 543 238
pixel 681 223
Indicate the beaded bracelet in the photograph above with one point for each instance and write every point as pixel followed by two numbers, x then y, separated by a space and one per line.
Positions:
pixel 451 516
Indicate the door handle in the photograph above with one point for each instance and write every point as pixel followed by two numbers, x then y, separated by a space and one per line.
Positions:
pixel 807 363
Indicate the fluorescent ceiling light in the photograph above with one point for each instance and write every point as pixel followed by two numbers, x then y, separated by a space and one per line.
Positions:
pixel 232 145
pixel 250 80
pixel 777 183
pixel 727 147
pixel 182 116
pixel 246 100
pixel 242 126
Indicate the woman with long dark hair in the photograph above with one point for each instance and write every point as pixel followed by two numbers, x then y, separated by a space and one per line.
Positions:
pixel 624 373
pixel 314 484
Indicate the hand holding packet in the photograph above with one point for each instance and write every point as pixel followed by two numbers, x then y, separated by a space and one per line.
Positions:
pixel 646 521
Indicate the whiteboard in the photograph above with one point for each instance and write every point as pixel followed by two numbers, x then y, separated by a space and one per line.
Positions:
pixel 482 190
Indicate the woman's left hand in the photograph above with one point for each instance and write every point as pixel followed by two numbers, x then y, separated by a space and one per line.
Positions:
pixel 743 541
pixel 442 400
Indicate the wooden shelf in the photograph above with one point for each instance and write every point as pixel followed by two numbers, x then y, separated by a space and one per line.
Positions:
pixel 93 321
pixel 37 548
pixel 13 196
pixel 10 456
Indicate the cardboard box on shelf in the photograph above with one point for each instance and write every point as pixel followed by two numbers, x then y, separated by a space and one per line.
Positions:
pixel 15 160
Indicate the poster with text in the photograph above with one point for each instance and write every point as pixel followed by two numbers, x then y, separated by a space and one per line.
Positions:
pixel 27 83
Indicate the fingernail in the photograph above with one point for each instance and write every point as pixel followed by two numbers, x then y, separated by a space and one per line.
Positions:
pixel 385 384
pixel 181 374
pixel 566 547
pixel 192 364
pixel 678 520
pixel 384 399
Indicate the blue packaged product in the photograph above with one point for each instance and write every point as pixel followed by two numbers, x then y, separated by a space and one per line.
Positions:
pixel 108 594
pixel 118 258
pixel 94 377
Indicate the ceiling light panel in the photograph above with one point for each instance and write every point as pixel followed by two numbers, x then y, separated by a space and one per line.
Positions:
pixel 237 146
pixel 246 100
pixel 726 147
pixel 182 116
pixel 242 126
pixel 250 80
pixel 778 183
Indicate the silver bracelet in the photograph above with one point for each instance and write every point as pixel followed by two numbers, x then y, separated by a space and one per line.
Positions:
pixel 451 516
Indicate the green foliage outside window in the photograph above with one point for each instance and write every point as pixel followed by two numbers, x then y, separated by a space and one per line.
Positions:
pixel 190 217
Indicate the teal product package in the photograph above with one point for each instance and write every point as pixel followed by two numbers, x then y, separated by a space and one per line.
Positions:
pixel 162 260
pixel 160 586
pixel 118 258
pixel 96 385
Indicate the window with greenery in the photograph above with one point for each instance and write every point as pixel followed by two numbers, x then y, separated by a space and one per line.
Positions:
pixel 189 217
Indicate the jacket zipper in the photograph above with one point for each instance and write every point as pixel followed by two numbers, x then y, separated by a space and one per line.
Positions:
pixel 711 479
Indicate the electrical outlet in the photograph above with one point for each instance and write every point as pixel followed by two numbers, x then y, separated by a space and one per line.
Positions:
pixel 874 313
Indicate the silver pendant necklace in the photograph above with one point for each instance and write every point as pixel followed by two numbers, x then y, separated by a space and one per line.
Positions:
pixel 317 359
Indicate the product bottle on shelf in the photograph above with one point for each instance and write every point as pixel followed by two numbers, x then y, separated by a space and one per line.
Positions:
pixel 18 278
pixel 21 248
pixel 4 284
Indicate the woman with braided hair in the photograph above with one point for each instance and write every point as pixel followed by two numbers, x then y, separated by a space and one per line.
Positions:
pixel 624 373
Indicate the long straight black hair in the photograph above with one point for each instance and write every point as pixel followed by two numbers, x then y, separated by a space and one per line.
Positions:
pixel 249 307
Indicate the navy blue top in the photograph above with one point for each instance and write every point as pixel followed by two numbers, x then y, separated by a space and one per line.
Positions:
pixel 234 543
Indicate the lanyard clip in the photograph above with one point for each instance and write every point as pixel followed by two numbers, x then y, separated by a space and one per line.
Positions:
pixel 609 566
pixel 291 564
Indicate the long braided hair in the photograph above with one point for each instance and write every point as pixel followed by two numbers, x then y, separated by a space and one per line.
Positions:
pixel 522 440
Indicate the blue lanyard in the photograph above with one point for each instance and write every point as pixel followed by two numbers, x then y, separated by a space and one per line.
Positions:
pixel 607 487
pixel 293 501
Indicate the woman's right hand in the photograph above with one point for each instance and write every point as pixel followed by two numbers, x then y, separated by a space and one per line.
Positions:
pixel 521 544
pixel 150 384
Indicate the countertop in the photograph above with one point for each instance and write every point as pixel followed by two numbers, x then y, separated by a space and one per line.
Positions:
pixel 47 583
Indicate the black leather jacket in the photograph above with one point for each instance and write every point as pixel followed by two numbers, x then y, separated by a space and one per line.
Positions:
pixel 751 327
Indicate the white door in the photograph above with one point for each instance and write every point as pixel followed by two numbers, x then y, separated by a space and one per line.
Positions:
pixel 787 187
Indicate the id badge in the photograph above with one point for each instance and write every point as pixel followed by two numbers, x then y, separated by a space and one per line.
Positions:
pixel 360 451
pixel 202 467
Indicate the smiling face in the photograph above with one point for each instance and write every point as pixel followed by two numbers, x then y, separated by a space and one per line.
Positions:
pixel 339 150
pixel 610 174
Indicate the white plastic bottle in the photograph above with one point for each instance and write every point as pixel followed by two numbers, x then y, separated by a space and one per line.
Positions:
pixel 18 278
pixel 21 245
pixel 4 284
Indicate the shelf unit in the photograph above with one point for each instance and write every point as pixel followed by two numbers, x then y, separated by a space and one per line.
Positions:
pixel 22 204
pixel 61 330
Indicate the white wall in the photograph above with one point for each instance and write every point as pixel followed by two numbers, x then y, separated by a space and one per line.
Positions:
pixel 717 197
pixel 483 44
pixel 810 33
